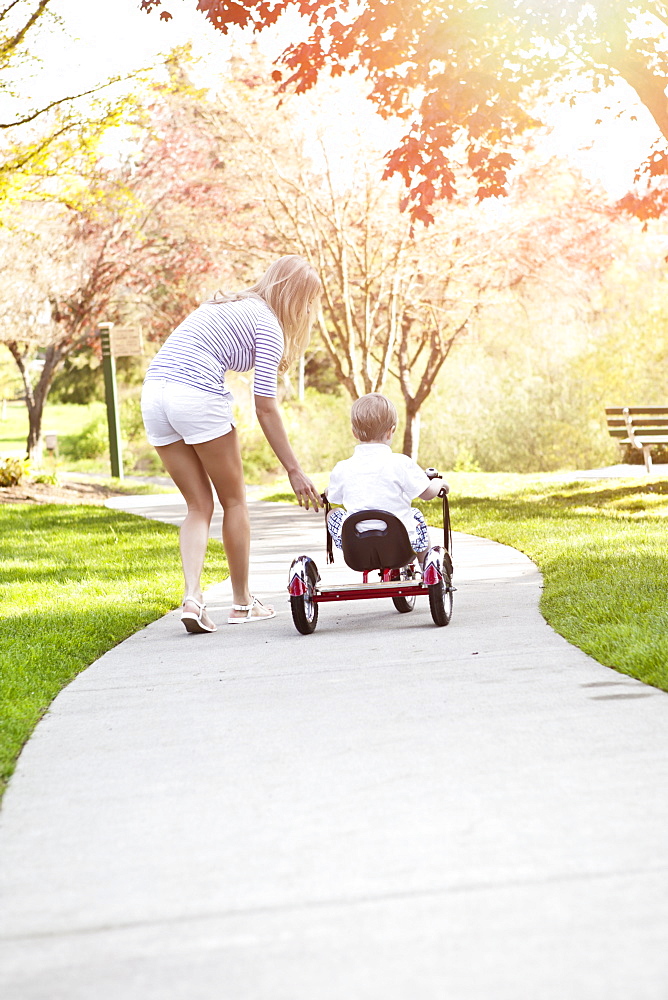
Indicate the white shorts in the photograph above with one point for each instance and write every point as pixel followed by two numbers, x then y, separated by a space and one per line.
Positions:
pixel 173 411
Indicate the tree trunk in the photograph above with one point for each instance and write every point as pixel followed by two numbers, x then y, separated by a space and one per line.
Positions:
pixel 412 434
pixel 34 442
pixel 35 396
pixel 35 413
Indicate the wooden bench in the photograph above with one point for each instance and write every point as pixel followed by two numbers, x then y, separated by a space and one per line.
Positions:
pixel 640 427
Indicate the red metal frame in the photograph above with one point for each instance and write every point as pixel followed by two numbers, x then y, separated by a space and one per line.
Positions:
pixel 388 575
pixel 390 585
pixel 360 594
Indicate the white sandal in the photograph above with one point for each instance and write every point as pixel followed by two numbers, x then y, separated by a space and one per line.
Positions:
pixel 193 622
pixel 249 616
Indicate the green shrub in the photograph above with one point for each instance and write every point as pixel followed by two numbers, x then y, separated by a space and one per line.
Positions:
pixel 320 375
pixel 319 430
pixel 501 422
pixel 143 459
pixel 91 442
pixel 132 423
pixel 465 461
pixel 634 456
pixel 13 470
pixel 80 379
pixel 259 461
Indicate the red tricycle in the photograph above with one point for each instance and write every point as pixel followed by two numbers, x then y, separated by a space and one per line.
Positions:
pixel 384 549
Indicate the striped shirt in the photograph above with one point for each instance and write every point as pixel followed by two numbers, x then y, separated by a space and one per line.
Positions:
pixel 220 337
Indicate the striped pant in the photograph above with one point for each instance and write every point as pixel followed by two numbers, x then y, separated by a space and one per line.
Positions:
pixel 419 538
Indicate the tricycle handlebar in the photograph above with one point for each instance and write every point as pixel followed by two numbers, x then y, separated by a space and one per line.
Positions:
pixel 434 474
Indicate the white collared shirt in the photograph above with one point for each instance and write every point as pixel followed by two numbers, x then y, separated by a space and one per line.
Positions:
pixel 376 477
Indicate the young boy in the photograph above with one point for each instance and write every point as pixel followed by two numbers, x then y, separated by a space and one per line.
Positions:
pixel 375 477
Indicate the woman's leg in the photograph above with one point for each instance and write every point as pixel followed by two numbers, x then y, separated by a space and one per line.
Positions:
pixel 221 459
pixel 185 468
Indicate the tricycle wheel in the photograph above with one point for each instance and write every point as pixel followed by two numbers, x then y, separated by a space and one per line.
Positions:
pixel 405 604
pixel 304 613
pixel 440 600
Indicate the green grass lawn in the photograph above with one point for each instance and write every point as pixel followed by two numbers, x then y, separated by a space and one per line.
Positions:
pixel 82 439
pixel 63 418
pixel 602 547
pixel 74 582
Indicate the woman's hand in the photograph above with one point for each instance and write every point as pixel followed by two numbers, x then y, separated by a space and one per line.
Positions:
pixel 274 431
pixel 305 491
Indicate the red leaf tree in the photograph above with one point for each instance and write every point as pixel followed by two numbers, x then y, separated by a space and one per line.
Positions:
pixel 470 74
pixel 397 298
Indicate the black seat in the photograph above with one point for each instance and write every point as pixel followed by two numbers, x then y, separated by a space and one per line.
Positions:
pixel 378 548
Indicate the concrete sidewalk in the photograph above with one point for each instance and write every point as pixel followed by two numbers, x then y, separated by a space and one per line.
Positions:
pixel 383 810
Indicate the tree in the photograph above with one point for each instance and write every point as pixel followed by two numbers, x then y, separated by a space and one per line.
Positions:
pixel 19 20
pixel 38 141
pixel 628 322
pixel 397 299
pixel 538 255
pixel 527 389
pixel 552 233
pixel 466 76
pixel 16 24
pixel 123 242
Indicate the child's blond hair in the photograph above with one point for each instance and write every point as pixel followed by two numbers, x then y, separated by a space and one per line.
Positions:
pixel 373 417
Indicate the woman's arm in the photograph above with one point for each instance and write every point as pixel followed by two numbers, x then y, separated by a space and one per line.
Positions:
pixel 270 421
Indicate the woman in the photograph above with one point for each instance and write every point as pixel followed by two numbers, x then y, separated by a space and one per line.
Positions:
pixel 187 413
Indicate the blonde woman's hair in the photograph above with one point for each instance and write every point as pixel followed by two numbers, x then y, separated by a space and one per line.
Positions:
pixel 373 417
pixel 291 288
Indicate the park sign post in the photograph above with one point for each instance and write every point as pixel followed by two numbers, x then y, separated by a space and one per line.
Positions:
pixel 126 341
pixel 116 341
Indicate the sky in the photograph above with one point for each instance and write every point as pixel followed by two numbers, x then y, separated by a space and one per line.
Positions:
pixel 95 46
pixel 128 38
